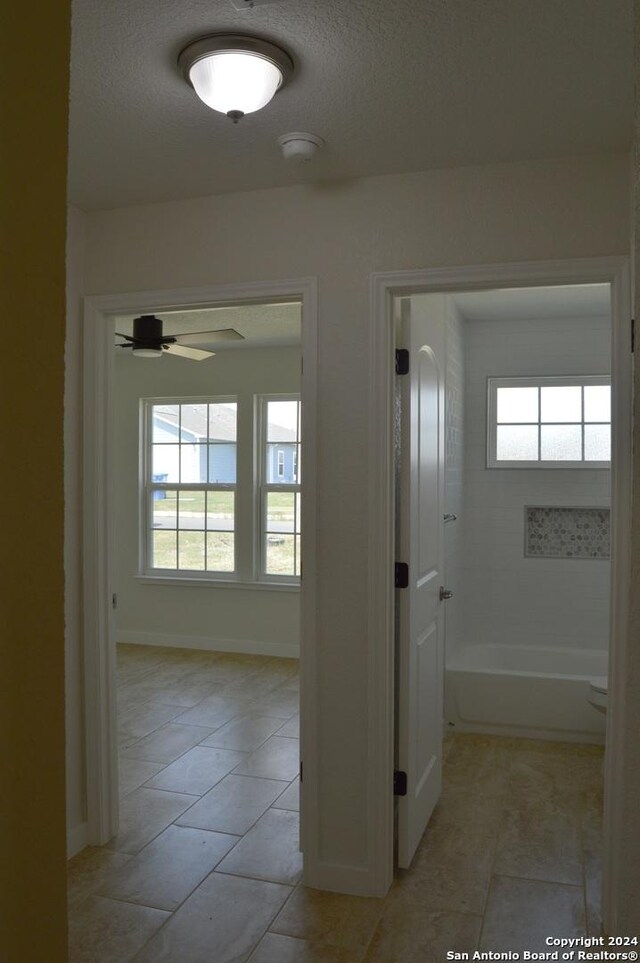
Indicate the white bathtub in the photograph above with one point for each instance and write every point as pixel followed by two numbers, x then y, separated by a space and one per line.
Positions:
pixel 524 691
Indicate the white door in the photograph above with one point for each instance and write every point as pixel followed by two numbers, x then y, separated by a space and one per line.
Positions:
pixel 420 545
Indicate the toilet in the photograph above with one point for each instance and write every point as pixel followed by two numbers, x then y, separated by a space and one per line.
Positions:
pixel 599 693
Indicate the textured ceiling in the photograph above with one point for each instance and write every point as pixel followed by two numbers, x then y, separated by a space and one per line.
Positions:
pixel 391 85
pixel 261 325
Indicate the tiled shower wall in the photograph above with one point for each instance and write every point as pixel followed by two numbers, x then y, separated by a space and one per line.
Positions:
pixel 454 475
pixel 506 598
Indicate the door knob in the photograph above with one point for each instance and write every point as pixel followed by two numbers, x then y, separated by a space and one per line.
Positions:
pixel 445 593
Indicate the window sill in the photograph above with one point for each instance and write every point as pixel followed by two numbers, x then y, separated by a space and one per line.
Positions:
pixel 219 583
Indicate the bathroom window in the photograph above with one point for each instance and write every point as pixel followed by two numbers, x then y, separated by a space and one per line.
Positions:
pixel 549 422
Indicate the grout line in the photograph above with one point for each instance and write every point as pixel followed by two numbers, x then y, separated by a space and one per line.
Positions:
pixel 534 879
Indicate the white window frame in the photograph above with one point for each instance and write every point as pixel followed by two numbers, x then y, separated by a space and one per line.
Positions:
pixel 147 486
pixel 263 488
pixel 493 383
pixel 280 463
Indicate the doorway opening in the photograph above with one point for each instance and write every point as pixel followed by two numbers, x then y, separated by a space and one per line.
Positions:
pixel 509 490
pixel 195 504
pixel 507 538
pixel 207 495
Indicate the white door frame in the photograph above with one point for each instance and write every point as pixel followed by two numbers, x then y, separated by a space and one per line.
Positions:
pixel 384 287
pixel 98 554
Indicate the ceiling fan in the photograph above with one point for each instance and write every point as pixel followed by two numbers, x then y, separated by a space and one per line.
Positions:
pixel 148 340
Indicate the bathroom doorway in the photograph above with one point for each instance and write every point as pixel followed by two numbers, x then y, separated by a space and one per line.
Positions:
pixel 596 281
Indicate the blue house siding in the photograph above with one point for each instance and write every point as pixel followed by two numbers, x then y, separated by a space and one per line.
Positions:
pixel 222 463
pixel 288 451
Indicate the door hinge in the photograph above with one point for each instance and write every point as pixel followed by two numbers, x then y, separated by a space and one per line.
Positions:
pixel 402 361
pixel 114 600
pixel 301 770
pixel 633 335
pixel 399 783
pixel 401 575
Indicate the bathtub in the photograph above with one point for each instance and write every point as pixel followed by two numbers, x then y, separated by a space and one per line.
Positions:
pixel 524 691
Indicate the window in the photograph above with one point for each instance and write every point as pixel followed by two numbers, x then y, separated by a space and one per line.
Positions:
pixel 190 486
pixel 280 486
pixel 190 453
pixel 549 422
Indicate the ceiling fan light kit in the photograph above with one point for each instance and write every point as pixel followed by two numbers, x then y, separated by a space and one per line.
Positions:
pixel 148 340
pixel 233 73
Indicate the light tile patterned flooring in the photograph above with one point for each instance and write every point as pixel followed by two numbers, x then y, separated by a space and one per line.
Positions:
pixel 205 868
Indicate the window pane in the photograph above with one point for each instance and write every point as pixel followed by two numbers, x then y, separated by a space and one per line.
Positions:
pixel 191 550
pixel 597 403
pixel 561 443
pixel 597 442
pixel 165 463
pixel 298 504
pixel 220 552
pixel 222 463
pixel 220 511
pixel 280 511
pixel 298 565
pixel 280 555
pixel 193 463
pixel 191 510
pixel 561 404
pixel 282 420
pixel 517 442
pixel 164 550
pixel 164 421
pixel 164 508
pixel 193 423
pixel 223 420
pixel 517 404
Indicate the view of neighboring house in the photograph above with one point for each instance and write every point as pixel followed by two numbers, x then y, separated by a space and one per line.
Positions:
pixel 180 446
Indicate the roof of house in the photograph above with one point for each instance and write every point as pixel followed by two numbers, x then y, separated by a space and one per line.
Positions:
pixel 222 422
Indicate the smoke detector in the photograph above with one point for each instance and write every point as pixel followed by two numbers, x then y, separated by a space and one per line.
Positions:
pixel 299 146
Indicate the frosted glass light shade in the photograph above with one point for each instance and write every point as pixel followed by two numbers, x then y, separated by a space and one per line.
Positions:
pixel 147 352
pixel 235 81
pixel 233 73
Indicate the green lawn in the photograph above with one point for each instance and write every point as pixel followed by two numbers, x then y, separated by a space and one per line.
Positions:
pixel 221 504
pixel 220 552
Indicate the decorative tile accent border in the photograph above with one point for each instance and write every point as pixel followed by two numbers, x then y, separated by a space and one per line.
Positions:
pixel 567 532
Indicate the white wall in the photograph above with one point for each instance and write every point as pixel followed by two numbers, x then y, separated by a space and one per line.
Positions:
pixel 510 599
pixel 576 207
pixel 200 616
pixel 76 809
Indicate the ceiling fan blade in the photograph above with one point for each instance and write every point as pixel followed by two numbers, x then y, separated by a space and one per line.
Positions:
pixel 209 337
pixel 127 337
pixel 195 354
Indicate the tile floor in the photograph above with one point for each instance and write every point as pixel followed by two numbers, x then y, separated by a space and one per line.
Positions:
pixel 205 868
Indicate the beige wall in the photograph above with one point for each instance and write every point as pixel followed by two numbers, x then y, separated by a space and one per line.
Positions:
pixel 341 233
pixel 32 723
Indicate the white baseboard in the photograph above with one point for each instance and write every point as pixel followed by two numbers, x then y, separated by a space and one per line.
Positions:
pixel 77 839
pixel 287 650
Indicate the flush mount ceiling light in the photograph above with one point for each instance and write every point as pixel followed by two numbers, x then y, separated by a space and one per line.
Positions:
pixel 235 74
